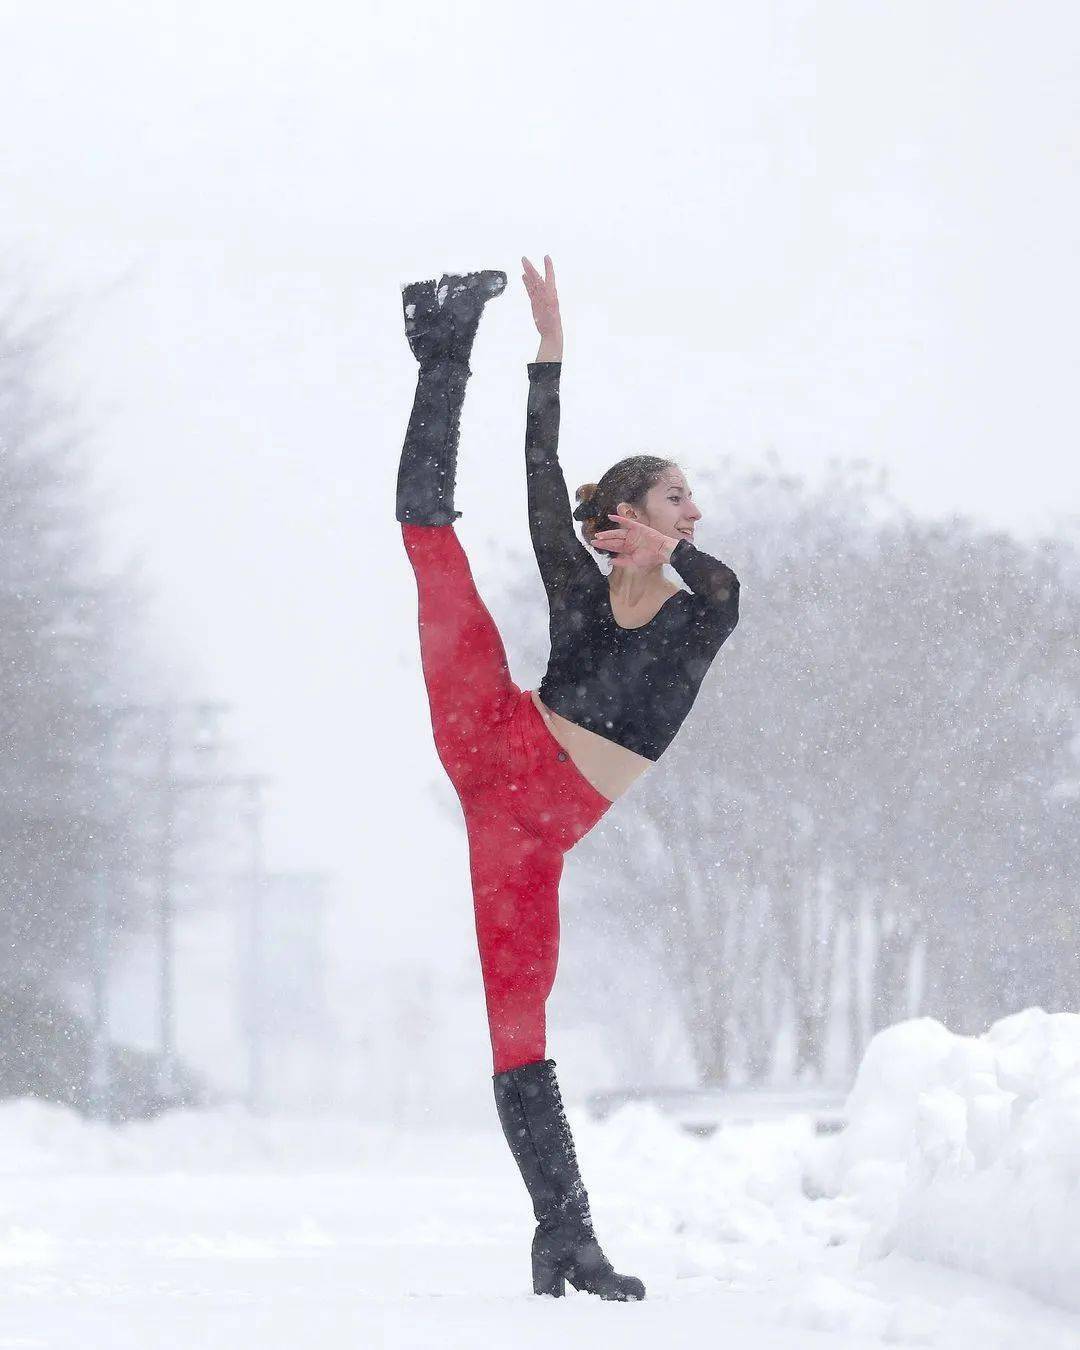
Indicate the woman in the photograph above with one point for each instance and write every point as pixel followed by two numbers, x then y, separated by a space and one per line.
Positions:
pixel 535 770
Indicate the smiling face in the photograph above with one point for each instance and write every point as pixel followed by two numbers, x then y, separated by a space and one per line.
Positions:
pixel 668 506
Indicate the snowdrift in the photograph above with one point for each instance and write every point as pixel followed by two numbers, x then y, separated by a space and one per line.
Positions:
pixel 966 1149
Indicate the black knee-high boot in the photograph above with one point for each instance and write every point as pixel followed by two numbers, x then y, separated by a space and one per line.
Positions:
pixel 440 324
pixel 564 1245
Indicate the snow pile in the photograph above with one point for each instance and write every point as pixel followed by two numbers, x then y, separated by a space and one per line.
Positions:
pixel 961 1151
pixel 966 1149
pixel 742 1185
pixel 736 1214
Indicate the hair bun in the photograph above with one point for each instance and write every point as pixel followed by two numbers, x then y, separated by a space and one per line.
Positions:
pixel 587 508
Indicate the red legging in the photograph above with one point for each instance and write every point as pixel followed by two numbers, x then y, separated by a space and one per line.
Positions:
pixel 525 802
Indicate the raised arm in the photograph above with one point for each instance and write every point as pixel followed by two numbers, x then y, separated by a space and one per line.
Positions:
pixel 559 551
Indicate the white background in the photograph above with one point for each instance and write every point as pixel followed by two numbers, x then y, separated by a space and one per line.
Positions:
pixel 835 229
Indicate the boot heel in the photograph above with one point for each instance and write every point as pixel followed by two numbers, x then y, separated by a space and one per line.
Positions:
pixel 548 1278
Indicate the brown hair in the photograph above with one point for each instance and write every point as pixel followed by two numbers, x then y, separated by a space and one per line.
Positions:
pixel 628 481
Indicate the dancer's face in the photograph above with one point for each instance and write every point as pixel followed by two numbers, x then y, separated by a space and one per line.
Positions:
pixel 668 506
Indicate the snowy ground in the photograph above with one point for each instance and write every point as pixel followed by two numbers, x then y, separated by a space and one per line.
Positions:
pixel 221 1230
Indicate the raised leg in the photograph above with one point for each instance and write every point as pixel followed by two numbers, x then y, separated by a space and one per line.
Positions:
pixel 469 688
pixel 427 471
pixel 440 325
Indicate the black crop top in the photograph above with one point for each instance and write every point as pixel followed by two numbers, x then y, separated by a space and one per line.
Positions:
pixel 634 686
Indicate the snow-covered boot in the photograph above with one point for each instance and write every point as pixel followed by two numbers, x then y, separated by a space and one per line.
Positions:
pixel 564 1246
pixel 426 326
pixel 463 298
pixel 440 324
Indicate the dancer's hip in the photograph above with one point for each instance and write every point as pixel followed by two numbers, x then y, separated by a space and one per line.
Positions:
pixel 544 789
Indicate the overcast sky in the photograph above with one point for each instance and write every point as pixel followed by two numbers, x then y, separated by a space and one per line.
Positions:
pixel 832 229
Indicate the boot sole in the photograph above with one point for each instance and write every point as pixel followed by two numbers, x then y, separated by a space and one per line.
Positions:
pixel 485 285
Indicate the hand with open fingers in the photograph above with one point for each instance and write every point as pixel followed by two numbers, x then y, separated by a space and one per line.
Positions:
pixel 543 297
pixel 634 544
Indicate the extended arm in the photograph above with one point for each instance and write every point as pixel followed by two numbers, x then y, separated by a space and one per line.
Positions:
pixel 559 552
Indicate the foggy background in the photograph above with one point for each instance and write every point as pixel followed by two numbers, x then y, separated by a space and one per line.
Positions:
pixel 827 231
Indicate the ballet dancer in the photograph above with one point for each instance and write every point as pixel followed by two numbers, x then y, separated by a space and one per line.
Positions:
pixel 535 770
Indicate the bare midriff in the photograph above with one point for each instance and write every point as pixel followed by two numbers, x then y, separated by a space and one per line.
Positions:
pixel 609 767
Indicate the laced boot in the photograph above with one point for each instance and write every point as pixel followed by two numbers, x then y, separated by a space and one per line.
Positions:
pixel 440 325
pixel 462 298
pixel 564 1246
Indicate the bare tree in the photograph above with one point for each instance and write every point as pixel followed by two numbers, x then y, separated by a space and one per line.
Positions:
pixel 870 805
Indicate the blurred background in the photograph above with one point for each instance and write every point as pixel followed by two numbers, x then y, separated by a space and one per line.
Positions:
pixel 821 254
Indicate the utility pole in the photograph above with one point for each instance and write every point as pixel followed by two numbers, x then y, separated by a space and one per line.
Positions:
pixel 169 785
pixel 256 1087
pixel 103 876
pixel 166 1076
pixel 100 1069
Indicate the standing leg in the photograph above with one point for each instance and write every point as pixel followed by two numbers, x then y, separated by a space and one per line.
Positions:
pixel 515 879
pixel 564 1245
pixel 515 883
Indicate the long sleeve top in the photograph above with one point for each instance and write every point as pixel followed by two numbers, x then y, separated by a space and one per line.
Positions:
pixel 633 686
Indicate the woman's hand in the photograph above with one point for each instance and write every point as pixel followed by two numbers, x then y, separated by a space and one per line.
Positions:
pixel 544 299
pixel 635 545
